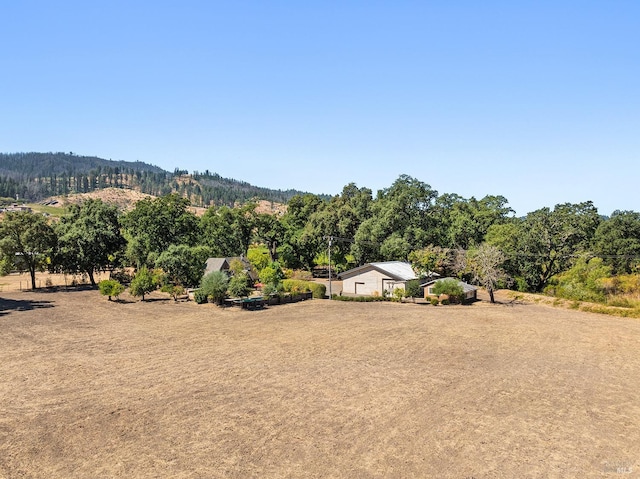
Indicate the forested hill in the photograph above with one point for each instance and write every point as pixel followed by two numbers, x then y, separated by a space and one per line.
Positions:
pixel 35 176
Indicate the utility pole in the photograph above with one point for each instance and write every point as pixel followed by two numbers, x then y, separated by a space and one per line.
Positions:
pixel 330 241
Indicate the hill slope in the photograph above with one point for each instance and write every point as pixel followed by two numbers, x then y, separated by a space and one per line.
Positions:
pixel 35 176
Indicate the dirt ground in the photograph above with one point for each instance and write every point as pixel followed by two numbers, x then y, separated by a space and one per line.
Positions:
pixel 98 389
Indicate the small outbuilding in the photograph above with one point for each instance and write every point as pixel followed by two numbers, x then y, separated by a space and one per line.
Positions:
pixel 224 264
pixel 376 278
pixel 470 291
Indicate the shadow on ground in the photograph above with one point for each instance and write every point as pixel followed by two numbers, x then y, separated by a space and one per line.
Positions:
pixel 8 305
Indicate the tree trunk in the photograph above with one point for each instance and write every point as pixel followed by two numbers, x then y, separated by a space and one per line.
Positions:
pixel 493 300
pixel 32 272
pixel 93 281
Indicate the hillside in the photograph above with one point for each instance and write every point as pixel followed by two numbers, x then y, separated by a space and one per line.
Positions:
pixel 36 176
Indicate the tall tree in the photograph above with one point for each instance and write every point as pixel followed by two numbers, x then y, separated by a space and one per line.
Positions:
pixel 551 240
pixel 228 231
pixel 155 224
pixel 27 241
pixel 617 241
pixel 184 265
pixel 402 216
pixel 89 238
pixel 484 263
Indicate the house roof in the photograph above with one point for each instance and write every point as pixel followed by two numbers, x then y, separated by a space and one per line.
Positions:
pixel 466 287
pixel 397 270
pixel 215 264
pixel 223 264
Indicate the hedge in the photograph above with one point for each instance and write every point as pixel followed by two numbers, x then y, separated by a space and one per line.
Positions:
pixel 301 286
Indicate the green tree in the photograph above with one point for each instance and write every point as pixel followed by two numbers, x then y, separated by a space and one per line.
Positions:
pixel 584 281
pixel 404 211
pixel 184 265
pixel 431 259
pixel 27 241
pixel 143 283
pixel 155 224
pixel 549 240
pixel 617 241
pixel 89 238
pixel 270 277
pixel 301 243
pixel 214 285
pixel 228 231
pixel 449 286
pixel 110 287
pixel 239 285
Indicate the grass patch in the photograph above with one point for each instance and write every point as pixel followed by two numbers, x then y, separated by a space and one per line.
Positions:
pixel 56 211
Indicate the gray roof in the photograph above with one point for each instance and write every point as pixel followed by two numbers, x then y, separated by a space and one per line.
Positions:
pixel 466 287
pixel 215 264
pixel 397 270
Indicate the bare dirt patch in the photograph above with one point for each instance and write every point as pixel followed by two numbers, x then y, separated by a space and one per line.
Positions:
pixel 98 389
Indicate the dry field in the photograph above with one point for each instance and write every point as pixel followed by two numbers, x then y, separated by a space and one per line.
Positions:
pixel 93 389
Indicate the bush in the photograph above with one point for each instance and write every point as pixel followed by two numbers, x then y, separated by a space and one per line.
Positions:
pixel 446 302
pixel 398 294
pixel 143 283
pixel 451 288
pixel 299 286
pixel 435 301
pixel 214 285
pixel 238 286
pixel 412 289
pixel 359 299
pixel 272 274
pixel 110 287
pixel 199 296
pixel 173 290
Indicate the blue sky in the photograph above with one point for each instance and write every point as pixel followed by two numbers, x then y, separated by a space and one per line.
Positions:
pixel 536 101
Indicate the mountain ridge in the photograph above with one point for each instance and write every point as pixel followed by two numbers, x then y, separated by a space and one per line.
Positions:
pixel 35 176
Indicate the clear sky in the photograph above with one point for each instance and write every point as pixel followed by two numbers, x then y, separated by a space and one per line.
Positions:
pixel 538 101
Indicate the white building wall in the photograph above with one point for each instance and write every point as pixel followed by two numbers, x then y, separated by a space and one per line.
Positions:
pixel 368 282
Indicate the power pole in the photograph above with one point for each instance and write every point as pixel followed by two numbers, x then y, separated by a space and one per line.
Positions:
pixel 330 238
pixel 330 241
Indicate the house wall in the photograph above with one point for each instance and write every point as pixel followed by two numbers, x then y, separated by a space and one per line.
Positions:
pixel 369 282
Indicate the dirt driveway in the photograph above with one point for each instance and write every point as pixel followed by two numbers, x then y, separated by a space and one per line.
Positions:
pixel 93 389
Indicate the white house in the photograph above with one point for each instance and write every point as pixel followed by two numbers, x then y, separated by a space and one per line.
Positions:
pixel 372 278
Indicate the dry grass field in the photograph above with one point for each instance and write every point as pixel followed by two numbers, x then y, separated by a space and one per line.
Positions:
pixel 98 389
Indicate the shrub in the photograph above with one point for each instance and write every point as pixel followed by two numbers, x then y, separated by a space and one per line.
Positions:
pixel 398 294
pixel 318 290
pixel 434 301
pixel 110 287
pixel 294 286
pixel 143 283
pixel 199 296
pixel 269 289
pixel 272 274
pixel 412 289
pixel 359 299
pixel 450 287
pixel 238 285
pixel 214 285
pixel 173 290
pixel 446 302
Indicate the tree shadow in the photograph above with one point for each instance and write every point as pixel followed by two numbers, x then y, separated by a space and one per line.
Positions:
pixel 8 305
pixel 64 289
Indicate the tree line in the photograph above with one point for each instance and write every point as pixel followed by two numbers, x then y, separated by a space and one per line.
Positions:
pixel 36 176
pixel 480 240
